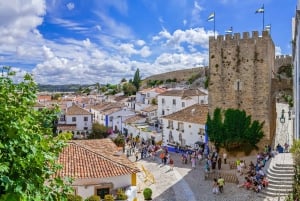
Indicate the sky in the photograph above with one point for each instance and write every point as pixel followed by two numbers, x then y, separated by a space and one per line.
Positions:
pixel 90 41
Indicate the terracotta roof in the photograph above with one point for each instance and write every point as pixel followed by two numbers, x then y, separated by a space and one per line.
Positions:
pixel 76 110
pixel 194 114
pixel 83 159
pixel 150 108
pixel 65 127
pixel 183 93
pixel 156 90
pixel 106 105
pixel 135 119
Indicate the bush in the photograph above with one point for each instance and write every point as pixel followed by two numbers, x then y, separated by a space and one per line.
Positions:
pixel 109 197
pixel 71 197
pixel 93 198
pixel 147 194
pixel 121 195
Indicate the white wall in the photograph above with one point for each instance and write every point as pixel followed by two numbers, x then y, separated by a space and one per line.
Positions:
pixel 88 190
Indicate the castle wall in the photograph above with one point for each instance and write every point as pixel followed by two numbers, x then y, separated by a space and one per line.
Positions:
pixel 240 69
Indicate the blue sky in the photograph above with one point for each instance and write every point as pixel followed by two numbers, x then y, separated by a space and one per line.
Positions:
pixel 89 41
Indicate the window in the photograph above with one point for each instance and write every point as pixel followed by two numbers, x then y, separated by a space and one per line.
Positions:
pixel 85 118
pixel 174 101
pixel 103 189
pixel 163 101
pixel 180 126
pixel 163 112
pixel 62 118
pixel 111 118
pixel 170 124
pixel 148 95
pixel 171 138
pixel 183 104
pixel 73 119
pixel 85 128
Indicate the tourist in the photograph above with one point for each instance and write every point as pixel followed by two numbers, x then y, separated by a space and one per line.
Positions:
pixel 215 186
pixel 171 163
pixel 136 156
pixel 219 163
pixel 221 183
pixel 193 160
pixel 225 157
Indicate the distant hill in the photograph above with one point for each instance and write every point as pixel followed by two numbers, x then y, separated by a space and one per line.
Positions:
pixel 61 88
pixel 178 75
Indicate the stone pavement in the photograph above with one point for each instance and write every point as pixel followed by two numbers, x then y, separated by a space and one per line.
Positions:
pixel 186 184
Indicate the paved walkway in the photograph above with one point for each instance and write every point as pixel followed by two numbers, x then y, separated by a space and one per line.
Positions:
pixel 184 183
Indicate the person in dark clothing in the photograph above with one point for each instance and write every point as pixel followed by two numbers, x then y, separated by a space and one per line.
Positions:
pixel 219 163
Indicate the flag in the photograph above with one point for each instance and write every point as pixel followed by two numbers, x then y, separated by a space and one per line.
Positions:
pixel 229 31
pixel 260 10
pixel 268 27
pixel 211 17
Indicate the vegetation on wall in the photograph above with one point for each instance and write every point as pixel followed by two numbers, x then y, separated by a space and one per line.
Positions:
pixel 295 150
pixel 232 129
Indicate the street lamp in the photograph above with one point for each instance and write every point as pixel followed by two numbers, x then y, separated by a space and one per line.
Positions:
pixel 284 124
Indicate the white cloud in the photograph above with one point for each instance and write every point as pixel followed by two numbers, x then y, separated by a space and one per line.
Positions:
pixel 69 24
pixel 184 22
pixel 140 42
pixel 196 13
pixel 70 6
pixel 277 50
pixel 145 51
pixel 196 36
pixel 18 19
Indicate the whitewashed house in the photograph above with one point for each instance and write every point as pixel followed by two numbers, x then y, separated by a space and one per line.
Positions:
pixel 186 126
pixel 144 97
pixel 76 120
pixel 175 100
pixel 111 115
pixel 137 126
pixel 98 167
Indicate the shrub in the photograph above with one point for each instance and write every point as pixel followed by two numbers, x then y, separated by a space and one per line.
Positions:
pixel 121 195
pixel 71 197
pixel 147 194
pixel 93 198
pixel 109 197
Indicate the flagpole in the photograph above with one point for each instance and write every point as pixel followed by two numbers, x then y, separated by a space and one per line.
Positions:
pixel 214 25
pixel 263 17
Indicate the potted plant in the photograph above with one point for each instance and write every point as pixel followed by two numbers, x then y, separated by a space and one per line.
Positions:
pixel 147 194
pixel 109 197
pixel 121 195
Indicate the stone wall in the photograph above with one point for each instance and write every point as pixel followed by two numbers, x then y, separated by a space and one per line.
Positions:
pixel 240 70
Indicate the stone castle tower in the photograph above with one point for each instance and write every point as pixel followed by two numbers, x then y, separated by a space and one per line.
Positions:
pixel 240 77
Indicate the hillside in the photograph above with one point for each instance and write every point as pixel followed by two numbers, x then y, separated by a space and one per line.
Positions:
pixel 178 75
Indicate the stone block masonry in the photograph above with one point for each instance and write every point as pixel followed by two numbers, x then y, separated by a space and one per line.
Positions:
pixel 240 70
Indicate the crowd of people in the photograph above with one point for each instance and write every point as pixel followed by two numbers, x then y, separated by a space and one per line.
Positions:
pixel 254 176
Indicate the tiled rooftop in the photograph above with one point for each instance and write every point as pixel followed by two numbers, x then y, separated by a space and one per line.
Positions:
pixel 150 108
pixel 194 114
pixel 83 159
pixel 76 110
pixel 183 93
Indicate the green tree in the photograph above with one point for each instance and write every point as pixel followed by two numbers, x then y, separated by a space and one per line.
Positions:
pixel 98 131
pixel 129 89
pixel 234 130
pixel 137 79
pixel 28 148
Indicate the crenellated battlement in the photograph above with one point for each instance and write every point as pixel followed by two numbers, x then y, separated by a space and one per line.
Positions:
pixel 237 36
pixel 283 60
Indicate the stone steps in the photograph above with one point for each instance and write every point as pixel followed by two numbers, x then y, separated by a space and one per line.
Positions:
pixel 280 174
